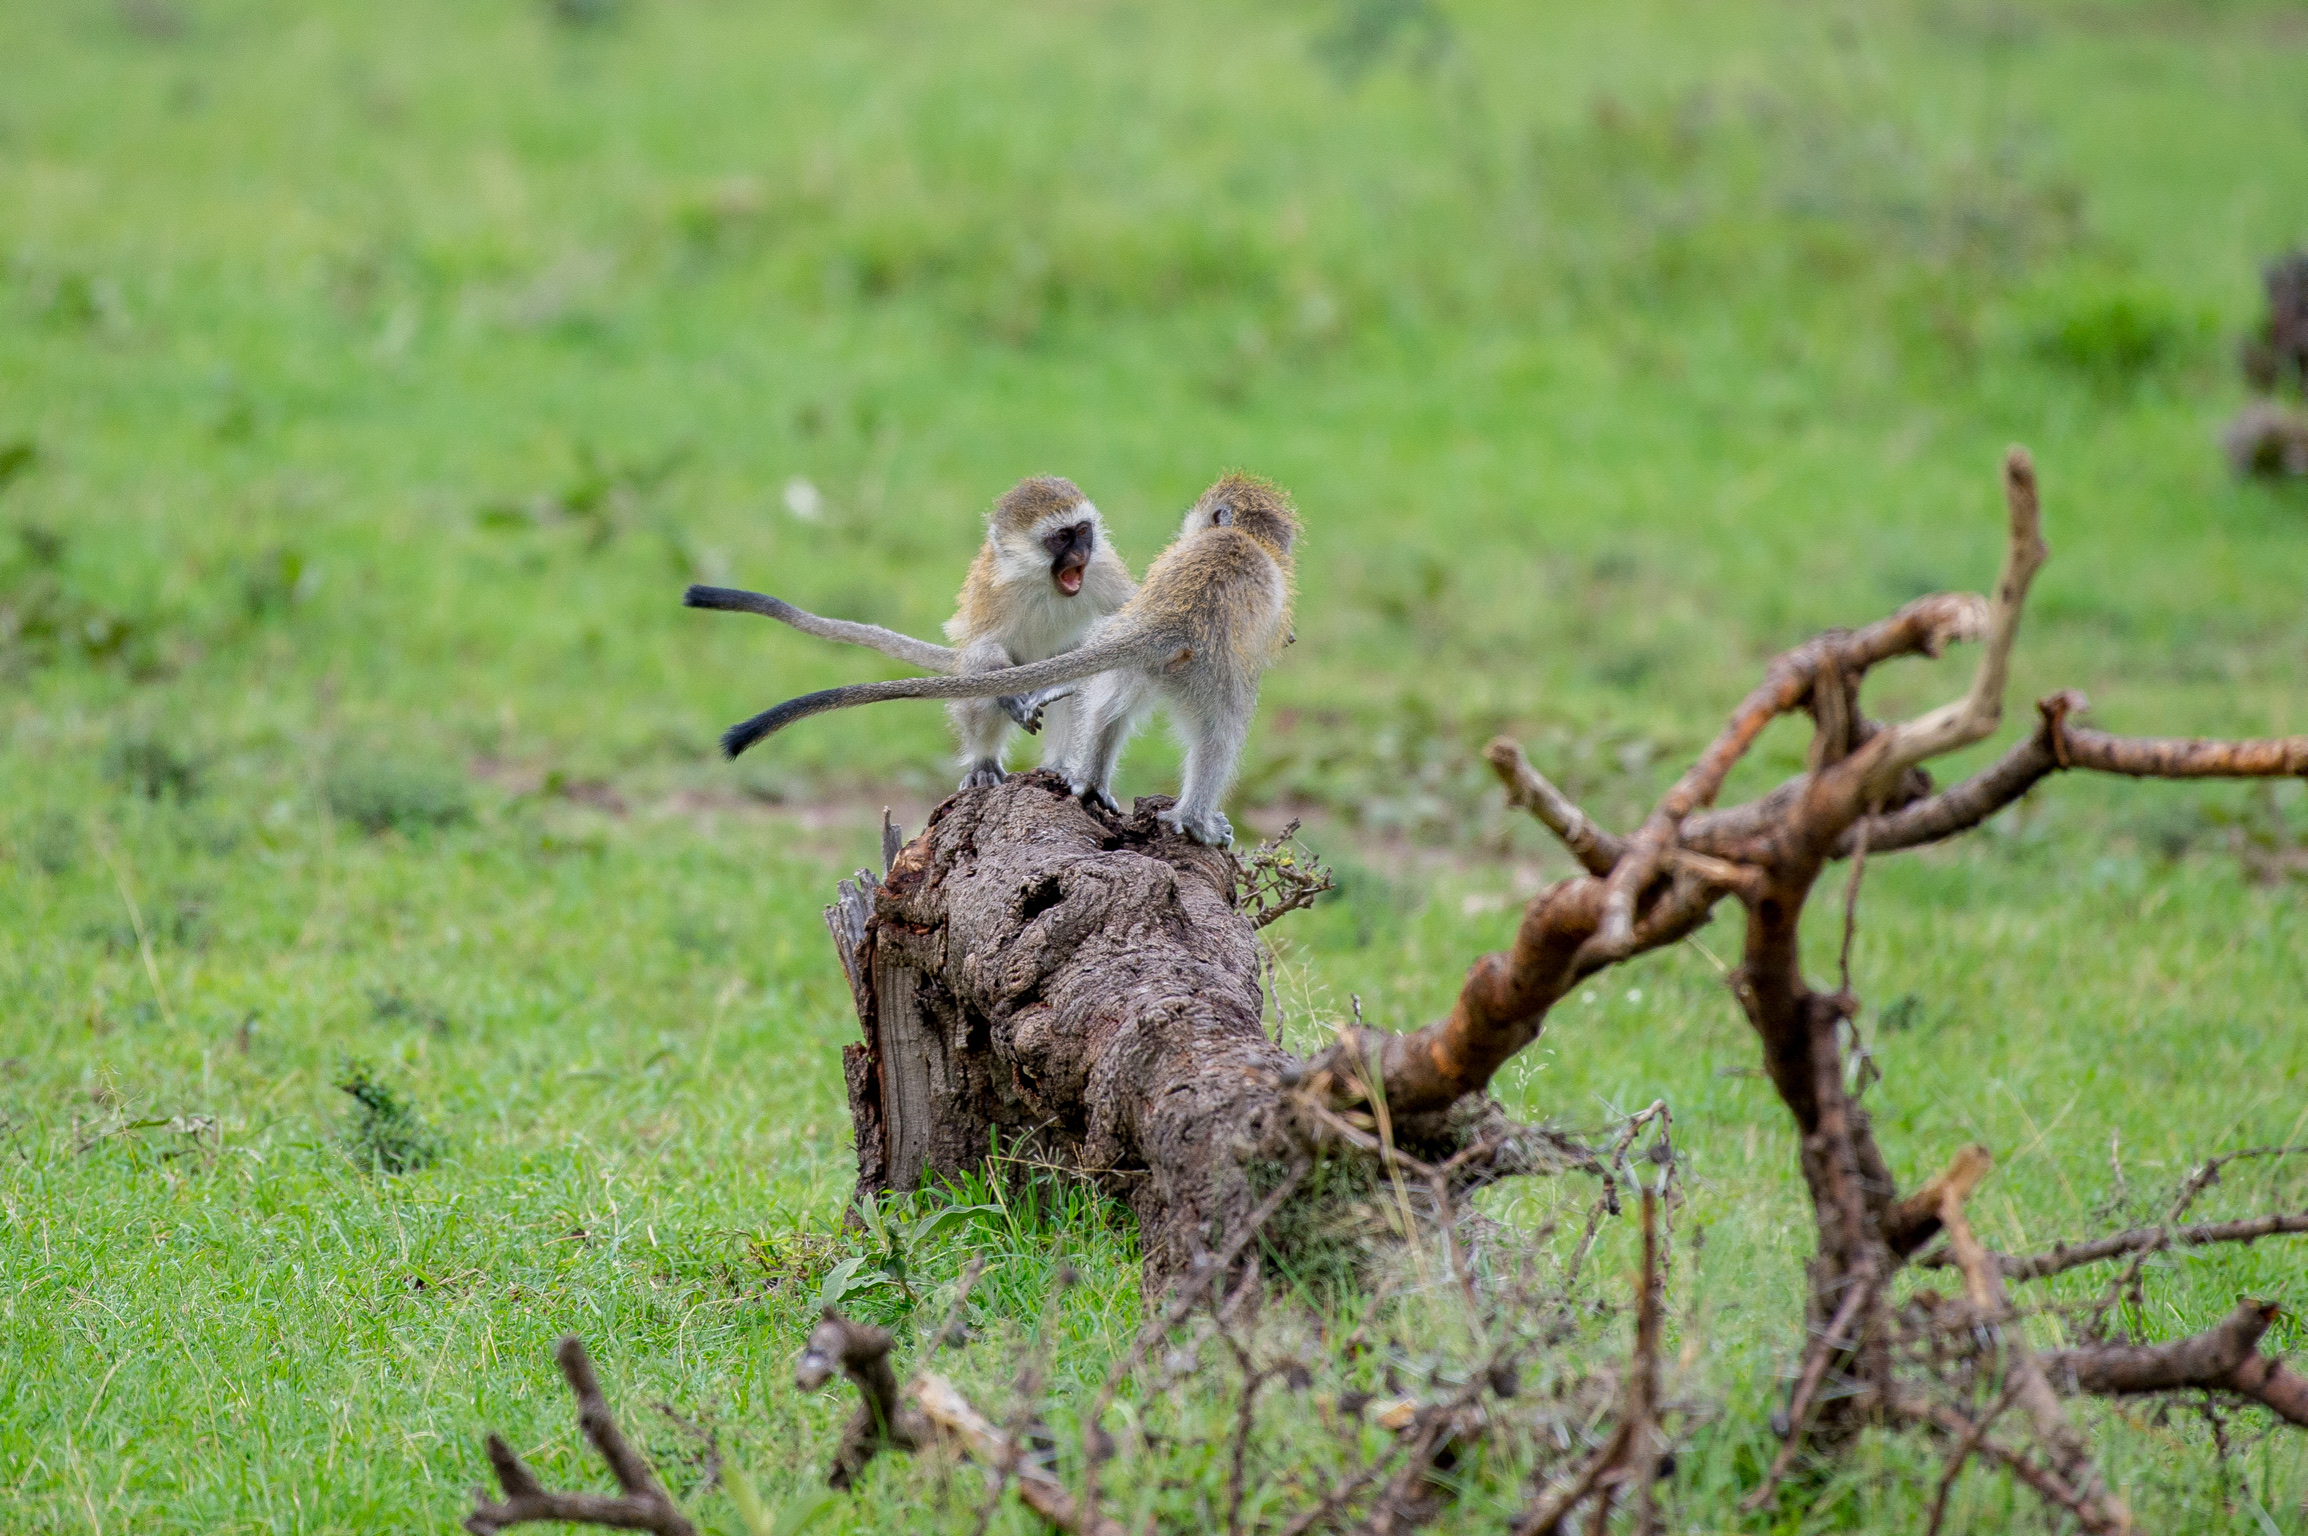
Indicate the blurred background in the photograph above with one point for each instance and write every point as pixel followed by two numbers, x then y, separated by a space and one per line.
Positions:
pixel 373 378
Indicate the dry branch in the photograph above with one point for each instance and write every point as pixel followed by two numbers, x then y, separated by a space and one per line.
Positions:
pixel 1528 789
pixel 862 1353
pixel 2066 1256
pixel 926 1410
pixel 2223 1358
pixel 1976 715
pixel 643 1506
pixel 2093 1506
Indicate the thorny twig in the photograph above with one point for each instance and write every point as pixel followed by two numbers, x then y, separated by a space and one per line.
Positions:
pixel 2201 1180
pixel 1184 1297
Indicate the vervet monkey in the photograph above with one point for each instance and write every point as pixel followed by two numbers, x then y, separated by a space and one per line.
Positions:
pixel 1043 579
pixel 1212 615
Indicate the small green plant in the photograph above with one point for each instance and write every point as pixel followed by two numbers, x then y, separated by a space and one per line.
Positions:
pixel 865 1271
pixel 147 761
pixel 17 457
pixel 387 1134
pixel 276 581
pixel 388 794
pixel 2114 335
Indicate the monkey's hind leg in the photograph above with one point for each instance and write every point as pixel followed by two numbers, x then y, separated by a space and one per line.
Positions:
pixel 1214 735
pixel 982 724
pixel 1116 702
pixel 1062 725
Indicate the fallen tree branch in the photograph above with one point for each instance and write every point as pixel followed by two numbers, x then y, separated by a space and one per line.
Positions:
pixel 643 1506
pixel 1529 790
pixel 1035 968
pixel 1910 1223
pixel 1975 716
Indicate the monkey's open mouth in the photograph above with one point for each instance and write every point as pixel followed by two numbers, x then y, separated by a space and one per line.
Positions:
pixel 1069 579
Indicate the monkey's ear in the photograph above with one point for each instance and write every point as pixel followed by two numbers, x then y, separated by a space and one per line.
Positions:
pixel 1223 517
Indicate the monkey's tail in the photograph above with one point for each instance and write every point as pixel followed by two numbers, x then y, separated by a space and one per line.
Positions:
pixel 905 648
pixel 1100 656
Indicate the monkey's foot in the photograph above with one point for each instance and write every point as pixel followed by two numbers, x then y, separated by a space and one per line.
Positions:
pixel 1211 830
pixel 1095 794
pixel 985 773
pixel 1025 708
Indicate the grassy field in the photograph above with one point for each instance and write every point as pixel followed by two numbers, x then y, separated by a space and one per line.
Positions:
pixel 372 379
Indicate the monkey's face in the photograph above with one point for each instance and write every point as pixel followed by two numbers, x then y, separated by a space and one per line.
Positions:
pixel 1070 545
pixel 1258 508
pixel 1046 524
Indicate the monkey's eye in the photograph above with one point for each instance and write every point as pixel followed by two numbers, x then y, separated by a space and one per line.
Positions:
pixel 1082 531
pixel 1222 518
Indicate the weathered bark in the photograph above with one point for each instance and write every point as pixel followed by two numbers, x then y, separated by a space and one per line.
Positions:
pixel 1046 973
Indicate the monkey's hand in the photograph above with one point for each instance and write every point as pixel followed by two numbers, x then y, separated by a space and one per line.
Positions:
pixel 1026 709
pixel 1211 831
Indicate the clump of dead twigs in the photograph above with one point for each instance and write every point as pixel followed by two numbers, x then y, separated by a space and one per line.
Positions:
pixel 1278 877
pixel 1457 1355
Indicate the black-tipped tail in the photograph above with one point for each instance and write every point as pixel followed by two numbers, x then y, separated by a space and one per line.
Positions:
pixel 727 599
pixel 770 721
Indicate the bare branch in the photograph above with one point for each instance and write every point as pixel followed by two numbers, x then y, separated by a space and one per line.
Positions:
pixel 1823 1350
pixel 643 1506
pixel 1914 1221
pixel 1631 1453
pixel 2048 1484
pixel 1924 627
pixel 1506 996
pixel 2223 1358
pixel 945 1410
pixel 1976 715
pixel 1528 789
pixel 1964 1447
pixel 2063 1257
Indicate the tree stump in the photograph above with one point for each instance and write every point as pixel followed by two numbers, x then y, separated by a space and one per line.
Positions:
pixel 1044 979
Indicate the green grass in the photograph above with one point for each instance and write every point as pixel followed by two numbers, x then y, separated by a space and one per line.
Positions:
pixel 387 371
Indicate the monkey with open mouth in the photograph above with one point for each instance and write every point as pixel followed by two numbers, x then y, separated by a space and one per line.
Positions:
pixel 1046 576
